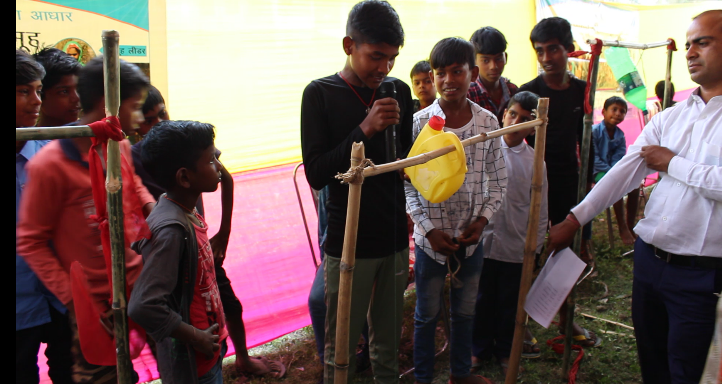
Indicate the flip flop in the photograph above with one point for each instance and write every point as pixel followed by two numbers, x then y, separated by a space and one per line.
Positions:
pixel 532 344
pixel 586 338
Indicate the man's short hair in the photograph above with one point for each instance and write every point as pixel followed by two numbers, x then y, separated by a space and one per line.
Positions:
pixel 452 50
pixel 553 28
pixel 152 99
pixel 488 41
pixel 57 64
pixel 375 22
pixel 615 100
pixel 528 101
pixel 707 12
pixel 422 66
pixel 172 145
pixel 91 85
pixel 27 69
pixel 659 89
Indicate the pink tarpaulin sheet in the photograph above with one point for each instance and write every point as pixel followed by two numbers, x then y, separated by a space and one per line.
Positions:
pixel 268 261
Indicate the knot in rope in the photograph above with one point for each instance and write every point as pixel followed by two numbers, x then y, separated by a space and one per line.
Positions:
pixel 355 175
pixel 107 128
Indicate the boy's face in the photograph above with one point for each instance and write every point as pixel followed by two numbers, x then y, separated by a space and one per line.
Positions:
pixel 452 82
pixel 614 114
pixel 423 87
pixel 491 66
pixel 27 104
pixel 552 56
pixel 61 102
pixel 207 175
pixel 517 115
pixel 370 62
pixel 153 117
pixel 130 113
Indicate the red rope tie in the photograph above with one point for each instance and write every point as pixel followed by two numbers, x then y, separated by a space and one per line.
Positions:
pixel 596 51
pixel 672 45
pixel 108 128
pixel 559 348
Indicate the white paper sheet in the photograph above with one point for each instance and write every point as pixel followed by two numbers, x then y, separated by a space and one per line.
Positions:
pixel 553 285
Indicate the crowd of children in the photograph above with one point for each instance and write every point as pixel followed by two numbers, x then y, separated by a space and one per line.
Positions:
pixel 179 292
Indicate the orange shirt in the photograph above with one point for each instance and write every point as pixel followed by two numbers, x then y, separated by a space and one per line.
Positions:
pixel 56 226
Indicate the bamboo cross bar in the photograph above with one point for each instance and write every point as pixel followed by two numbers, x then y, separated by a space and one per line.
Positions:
pixel 348 260
pixel 424 157
pixel 530 243
pixel 114 188
pixel 50 133
pixel 623 44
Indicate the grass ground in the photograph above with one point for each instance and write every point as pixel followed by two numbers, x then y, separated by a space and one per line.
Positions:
pixel 606 295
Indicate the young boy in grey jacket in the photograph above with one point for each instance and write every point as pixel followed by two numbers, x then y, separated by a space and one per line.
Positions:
pixel 176 297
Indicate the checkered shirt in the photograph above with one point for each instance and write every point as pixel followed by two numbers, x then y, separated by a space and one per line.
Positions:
pixel 481 193
pixel 478 94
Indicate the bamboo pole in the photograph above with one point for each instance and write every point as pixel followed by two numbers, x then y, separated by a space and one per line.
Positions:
pixel 667 100
pixel 424 157
pixel 348 260
pixel 530 244
pixel 51 133
pixel 624 44
pixel 114 187
pixel 581 193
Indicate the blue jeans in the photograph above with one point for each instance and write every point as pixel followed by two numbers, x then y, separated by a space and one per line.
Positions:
pixel 430 280
pixel 215 375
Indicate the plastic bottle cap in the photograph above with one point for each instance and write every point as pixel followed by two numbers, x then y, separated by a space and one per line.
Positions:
pixel 437 123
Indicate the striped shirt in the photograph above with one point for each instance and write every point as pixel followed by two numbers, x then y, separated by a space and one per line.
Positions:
pixel 483 187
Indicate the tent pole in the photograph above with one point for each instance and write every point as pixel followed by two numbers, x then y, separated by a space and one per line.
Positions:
pixel 114 188
pixel 530 244
pixel 581 193
pixel 667 101
pixel 348 260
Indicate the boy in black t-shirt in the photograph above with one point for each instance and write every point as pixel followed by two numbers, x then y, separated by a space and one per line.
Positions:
pixel 336 111
pixel 552 40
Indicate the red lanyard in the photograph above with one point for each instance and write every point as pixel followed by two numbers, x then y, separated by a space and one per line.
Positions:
pixel 368 106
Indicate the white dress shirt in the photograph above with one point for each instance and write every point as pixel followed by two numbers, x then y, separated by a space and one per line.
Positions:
pixel 483 187
pixel 684 212
pixel 505 235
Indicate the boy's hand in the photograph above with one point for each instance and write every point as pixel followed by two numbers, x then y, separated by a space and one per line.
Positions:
pixel 383 113
pixel 441 242
pixel 219 245
pixel 472 233
pixel 206 342
pixel 561 236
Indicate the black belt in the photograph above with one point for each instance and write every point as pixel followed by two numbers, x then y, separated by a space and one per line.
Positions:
pixel 707 262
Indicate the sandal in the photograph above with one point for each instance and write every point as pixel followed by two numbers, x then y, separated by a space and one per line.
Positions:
pixel 587 341
pixel 531 346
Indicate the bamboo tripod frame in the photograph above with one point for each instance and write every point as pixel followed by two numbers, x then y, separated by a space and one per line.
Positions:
pixel 114 188
pixel 348 257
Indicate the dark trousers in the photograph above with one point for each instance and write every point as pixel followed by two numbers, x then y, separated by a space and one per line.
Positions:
pixel 496 309
pixel 673 309
pixel 562 196
pixel 58 336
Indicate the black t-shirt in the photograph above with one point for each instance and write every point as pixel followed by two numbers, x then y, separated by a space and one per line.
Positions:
pixel 565 128
pixel 330 117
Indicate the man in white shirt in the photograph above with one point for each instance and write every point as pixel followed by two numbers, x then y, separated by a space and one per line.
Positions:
pixel 678 255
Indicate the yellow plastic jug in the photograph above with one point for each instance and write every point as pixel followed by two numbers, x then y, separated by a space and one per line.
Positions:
pixel 441 177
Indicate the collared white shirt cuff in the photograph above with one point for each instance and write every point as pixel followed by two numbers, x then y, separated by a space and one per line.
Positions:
pixel 680 168
pixel 425 226
pixel 584 212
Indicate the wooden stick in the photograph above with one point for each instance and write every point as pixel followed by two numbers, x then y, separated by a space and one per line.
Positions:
pixel 581 193
pixel 617 334
pixel 348 260
pixel 424 157
pixel 114 188
pixel 51 133
pixel 607 321
pixel 667 98
pixel 530 244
